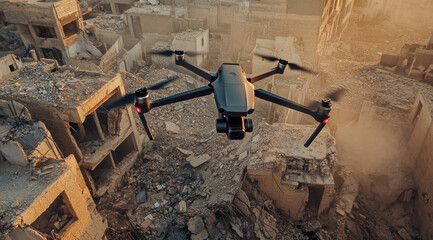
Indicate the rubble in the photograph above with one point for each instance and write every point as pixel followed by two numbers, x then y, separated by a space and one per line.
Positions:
pixel 191 182
pixel 196 161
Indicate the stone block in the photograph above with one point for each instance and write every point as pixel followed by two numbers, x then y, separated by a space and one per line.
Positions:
pixel 14 153
pixel 388 60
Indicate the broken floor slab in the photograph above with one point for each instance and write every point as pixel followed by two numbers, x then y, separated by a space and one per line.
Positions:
pixel 292 175
pixel 49 198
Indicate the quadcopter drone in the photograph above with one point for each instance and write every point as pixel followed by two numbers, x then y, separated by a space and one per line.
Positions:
pixel 234 96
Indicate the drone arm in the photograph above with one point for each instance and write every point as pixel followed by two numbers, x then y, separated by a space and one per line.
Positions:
pixel 259 77
pixel 270 97
pixel 197 70
pixel 195 93
pixel 322 118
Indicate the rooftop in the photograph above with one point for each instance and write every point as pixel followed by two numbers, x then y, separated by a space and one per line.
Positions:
pixel 189 34
pixel 156 10
pixel 284 148
pixel 24 185
pixel 28 133
pixel 109 22
pixel 68 89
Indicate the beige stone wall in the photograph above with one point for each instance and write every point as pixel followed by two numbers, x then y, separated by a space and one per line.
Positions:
pixel 420 146
pixel 423 179
pixel 89 224
pixel 289 200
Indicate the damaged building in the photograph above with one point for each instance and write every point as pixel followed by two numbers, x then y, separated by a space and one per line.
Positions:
pixel 53 29
pixel 9 64
pixel 47 196
pixel 71 104
pixel 296 179
pixel 414 60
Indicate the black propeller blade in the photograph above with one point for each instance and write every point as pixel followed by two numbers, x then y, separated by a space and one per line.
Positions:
pixel 292 66
pixel 267 57
pixel 161 84
pixel 130 97
pixel 169 53
pixel 127 99
pixel 299 68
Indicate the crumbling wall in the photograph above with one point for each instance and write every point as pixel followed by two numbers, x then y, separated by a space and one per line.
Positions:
pixel 134 52
pixel 8 65
pixel 210 13
pixel 71 185
pixel 422 173
pixel 57 126
pixel 419 144
pixel 420 119
pixel 287 197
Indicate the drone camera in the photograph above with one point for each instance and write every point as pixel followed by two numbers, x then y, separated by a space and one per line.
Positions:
pixel 234 127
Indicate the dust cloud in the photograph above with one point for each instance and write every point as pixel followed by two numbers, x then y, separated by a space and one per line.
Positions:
pixel 376 155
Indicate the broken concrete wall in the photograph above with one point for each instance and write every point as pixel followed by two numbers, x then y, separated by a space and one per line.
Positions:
pixel 210 13
pixel 109 58
pixel 9 65
pixel 419 145
pixel 420 119
pixel 67 184
pixel 106 36
pixel 120 6
pixel 429 44
pixel 422 173
pixel 22 139
pixel 138 19
pixel 293 178
pixel 57 127
pixel 134 52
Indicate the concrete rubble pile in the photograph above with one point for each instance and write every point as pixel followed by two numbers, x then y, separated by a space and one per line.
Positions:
pixel 51 83
pixel 218 198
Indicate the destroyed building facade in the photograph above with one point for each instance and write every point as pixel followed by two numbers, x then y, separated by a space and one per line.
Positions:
pixel 51 28
pixel 49 198
pixel 71 104
pixel 296 179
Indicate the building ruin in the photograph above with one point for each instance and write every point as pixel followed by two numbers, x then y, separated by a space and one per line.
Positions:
pixel 73 110
pixel 239 189
pixel 49 199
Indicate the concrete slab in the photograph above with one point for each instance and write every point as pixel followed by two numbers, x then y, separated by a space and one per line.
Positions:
pixel 13 152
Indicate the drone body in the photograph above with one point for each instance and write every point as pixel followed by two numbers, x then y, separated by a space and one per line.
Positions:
pixel 234 96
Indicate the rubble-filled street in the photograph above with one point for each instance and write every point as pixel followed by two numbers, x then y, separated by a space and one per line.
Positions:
pixel 209 119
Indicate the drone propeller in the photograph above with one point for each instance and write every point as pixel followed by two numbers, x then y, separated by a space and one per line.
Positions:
pixel 322 110
pixel 169 53
pixel 292 66
pixel 334 96
pixel 130 97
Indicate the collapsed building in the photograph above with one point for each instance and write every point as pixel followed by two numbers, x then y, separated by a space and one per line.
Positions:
pixel 9 64
pixel 414 60
pixel 71 104
pixel 53 29
pixel 295 178
pixel 49 199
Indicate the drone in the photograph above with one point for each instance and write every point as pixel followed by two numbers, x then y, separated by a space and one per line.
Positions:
pixel 234 94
